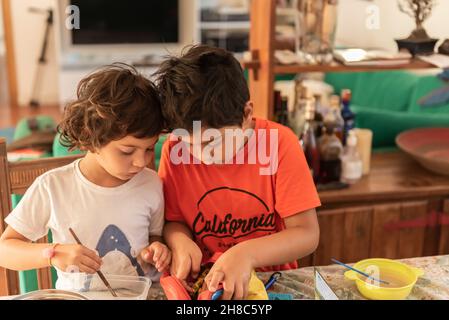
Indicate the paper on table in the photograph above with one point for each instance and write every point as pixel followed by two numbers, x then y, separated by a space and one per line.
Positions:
pixel 438 60
pixel 322 289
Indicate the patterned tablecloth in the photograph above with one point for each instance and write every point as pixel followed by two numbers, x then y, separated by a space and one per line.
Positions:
pixel 434 285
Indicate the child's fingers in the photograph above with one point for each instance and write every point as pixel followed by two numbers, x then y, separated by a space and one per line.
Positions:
pixel 214 280
pixel 147 255
pixel 195 266
pixel 92 255
pixel 162 267
pixel 164 260
pixel 173 268
pixel 228 290
pixel 239 292
pixel 186 286
pixel 183 269
pixel 91 263
pixel 245 290
pixel 158 251
pixel 87 269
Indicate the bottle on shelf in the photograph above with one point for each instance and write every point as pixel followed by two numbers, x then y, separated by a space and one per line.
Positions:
pixel 280 108
pixel 319 126
pixel 331 150
pixel 297 116
pixel 277 104
pixel 351 162
pixel 283 116
pixel 308 140
pixel 333 119
pixel 346 113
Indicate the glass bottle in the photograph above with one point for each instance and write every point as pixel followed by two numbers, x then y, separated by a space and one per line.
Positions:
pixel 297 116
pixel 346 113
pixel 277 105
pixel 333 119
pixel 319 125
pixel 308 140
pixel 283 115
pixel 351 162
pixel 331 150
pixel 316 30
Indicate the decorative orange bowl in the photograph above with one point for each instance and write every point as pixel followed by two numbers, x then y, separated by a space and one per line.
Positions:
pixel 429 146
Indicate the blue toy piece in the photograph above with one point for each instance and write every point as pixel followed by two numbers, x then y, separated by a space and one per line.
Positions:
pixel 438 97
pixel 444 75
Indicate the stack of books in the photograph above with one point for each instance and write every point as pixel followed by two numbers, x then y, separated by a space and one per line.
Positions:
pixel 373 57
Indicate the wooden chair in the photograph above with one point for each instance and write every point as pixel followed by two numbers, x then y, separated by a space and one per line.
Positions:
pixel 15 178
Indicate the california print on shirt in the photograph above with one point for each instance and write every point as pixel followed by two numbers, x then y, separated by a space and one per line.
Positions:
pixel 226 215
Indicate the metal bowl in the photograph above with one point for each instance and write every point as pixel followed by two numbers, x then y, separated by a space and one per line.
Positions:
pixel 51 294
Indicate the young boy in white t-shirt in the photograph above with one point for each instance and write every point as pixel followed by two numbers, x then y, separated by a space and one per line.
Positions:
pixel 110 199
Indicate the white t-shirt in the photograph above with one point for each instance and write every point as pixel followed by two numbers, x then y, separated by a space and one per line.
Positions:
pixel 116 222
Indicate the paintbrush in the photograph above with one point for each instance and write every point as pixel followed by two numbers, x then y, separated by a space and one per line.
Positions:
pixel 100 274
pixel 360 272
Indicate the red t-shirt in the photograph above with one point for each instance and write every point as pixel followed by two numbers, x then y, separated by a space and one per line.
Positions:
pixel 224 204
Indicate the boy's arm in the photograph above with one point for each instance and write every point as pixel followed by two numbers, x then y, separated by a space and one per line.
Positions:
pixel 300 238
pixel 233 268
pixel 174 232
pixel 187 255
pixel 18 253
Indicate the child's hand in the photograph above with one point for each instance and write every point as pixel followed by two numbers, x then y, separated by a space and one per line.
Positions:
pixel 75 255
pixel 233 269
pixel 157 254
pixel 187 258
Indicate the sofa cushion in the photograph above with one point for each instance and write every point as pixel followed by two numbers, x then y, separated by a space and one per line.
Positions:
pixel 376 90
pixel 386 124
pixel 342 80
pixel 390 90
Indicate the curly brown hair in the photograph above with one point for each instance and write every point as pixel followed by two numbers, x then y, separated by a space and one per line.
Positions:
pixel 205 83
pixel 113 102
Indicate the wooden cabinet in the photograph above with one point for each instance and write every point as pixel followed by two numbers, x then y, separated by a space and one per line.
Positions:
pixel 399 211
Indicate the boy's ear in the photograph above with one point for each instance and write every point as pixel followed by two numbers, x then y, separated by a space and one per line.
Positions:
pixel 248 111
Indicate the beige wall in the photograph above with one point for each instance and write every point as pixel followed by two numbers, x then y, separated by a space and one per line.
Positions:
pixel 352 30
pixel 28 31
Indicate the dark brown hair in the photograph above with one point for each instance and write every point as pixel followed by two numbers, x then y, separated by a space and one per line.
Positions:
pixel 205 83
pixel 112 103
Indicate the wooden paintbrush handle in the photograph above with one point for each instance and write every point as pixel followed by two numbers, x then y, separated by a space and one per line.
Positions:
pixel 100 274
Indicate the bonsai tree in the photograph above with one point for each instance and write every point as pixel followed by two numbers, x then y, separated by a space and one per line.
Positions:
pixel 419 10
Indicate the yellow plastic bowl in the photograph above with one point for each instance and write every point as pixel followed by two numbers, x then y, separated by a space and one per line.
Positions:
pixel 402 272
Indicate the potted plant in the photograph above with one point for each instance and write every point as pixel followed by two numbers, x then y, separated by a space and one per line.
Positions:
pixel 419 41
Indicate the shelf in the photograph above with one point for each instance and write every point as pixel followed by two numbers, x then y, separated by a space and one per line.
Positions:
pixel 337 67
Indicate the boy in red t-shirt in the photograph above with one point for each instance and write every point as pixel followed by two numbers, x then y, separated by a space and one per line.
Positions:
pixel 232 183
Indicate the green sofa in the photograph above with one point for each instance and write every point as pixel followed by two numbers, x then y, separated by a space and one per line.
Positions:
pixel 387 102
